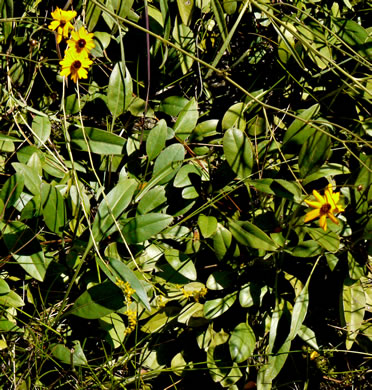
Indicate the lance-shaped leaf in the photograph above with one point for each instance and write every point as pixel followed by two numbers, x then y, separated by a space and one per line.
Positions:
pixel 143 227
pixel 119 90
pixel 181 263
pixel 216 307
pixel 54 209
pixel 98 301
pixel 248 234
pixel 314 152
pixel 300 129
pixel 120 271
pixel 12 189
pixel 97 141
pixel 242 342
pixel 354 306
pixel 25 248
pixel 156 139
pixel 112 206
pixel 187 120
pixel 239 152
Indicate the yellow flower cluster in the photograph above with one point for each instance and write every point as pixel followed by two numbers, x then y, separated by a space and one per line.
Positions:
pixel 132 321
pixel 131 314
pixel 196 294
pixel 76 60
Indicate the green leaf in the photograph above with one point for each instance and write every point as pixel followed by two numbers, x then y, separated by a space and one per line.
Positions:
pixel 98 301
pixel 299 310
pixel 143 227
pixel 54 209
pixel 314 152
pixel 92 15
pixel 192 314
pixel 4 137
pixel 216 307
pixel 239 152
pixel 173 105
pixel 172 153
pixel 112 206
pixel 155 142
pixel 329 169
pixel 242 342
pixel 12 190
pixel 248 234
pixel 41 126
pixel 230 6
pixel 221 241
pixel 161 175
pixel 97 141
pixel 186 120
pixel 159 320
pixel 353 304
pixel 309 248
pixel 181 263
pixel 300 129
pixel 101 41
pixel 184 38
pixel 207 225
pixel 114 325
pixel 178 363
pixel 287 189
pixel 25 249
pixel 356 271
pixel 31 176
pixel 308 336
pixel 354 35
pixel 74 356
pixel 154 198
pixel 332 260
pixel 4 287
pixel 186 175
pixel 234 117
pixel 9 326
pixel 220 18
pixel 120 271
pixel 328 240
pixel 219 280
pixel 119 90
pixel 11 299
pixel 185 8
pixel 252 294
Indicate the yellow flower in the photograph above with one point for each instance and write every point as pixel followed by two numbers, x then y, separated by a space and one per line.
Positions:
pixel 75 64
pixel 132 321
pixel 81 41
pixel 325 206
pixel 61 23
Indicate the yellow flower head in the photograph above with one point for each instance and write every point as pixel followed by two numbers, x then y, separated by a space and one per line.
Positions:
pixel 324 206
pixel 61 23
pixel 81 41
pixel 75 64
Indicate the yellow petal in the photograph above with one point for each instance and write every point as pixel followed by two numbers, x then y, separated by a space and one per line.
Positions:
pixel 333 218
pixel 319 197
pixel 314 204
pixel 323 222
pixel 312 215
pixel 53 25
pixel 329 198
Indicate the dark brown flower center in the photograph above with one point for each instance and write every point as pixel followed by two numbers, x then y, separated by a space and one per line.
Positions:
pixel 81 43
pixel 62 23
pixel 325 208
pixel 76 64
